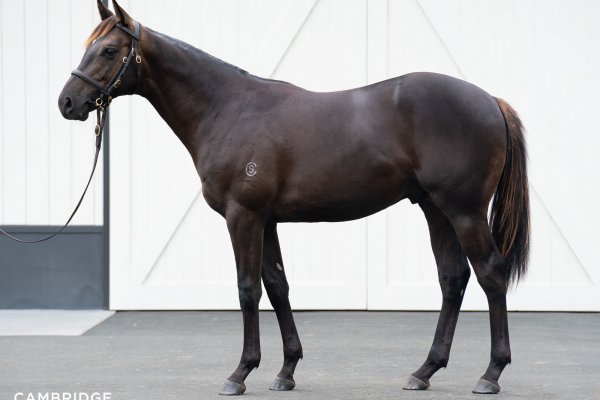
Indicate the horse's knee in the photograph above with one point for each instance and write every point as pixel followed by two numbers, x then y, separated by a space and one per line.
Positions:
pixel 249 295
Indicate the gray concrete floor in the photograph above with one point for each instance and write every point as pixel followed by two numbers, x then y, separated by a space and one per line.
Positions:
pixel 50 322
pixel 348 355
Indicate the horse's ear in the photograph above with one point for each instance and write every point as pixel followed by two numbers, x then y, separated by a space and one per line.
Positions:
pixel 122 16
pixel 104 11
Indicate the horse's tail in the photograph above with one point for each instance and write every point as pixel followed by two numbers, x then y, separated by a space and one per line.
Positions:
pixel 509 218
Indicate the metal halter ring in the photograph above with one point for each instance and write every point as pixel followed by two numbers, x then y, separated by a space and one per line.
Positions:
pixel 124 60
pixel 99 101
pixel 138 59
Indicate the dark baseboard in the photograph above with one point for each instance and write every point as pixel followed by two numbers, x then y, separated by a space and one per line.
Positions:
pixel 66 272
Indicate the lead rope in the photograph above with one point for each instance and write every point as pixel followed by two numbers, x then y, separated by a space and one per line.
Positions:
pixel 101 117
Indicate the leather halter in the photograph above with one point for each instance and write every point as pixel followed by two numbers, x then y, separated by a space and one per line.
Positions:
pixel 102 104
pixel 105 91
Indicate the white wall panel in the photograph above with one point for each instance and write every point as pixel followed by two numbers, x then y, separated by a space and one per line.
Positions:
pixel 535 56
pixel 36 95
pixel 167 243
pixel 45 160
pixel 13 104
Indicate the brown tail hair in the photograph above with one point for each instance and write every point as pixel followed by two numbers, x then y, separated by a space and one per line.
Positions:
pixel 509 218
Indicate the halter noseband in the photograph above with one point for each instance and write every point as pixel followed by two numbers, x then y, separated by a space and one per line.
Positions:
pixel 105 91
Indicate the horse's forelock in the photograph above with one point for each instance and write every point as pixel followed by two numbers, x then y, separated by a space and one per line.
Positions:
pixel 102 29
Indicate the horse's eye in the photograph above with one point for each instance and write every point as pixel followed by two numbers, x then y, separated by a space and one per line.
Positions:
pixel 109 51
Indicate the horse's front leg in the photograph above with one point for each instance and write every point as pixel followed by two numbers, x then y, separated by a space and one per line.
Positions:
pixel 246 230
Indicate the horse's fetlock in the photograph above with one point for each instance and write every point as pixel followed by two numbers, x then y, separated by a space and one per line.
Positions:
pixel 501 360
pixel 293 354
pixel 437 360
pixel 251 361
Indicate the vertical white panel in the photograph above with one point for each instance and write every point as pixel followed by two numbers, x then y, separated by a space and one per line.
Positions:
pixel 329 52
pixel 44 159
pixel 377 30
pixel 14 168
pixel 59 146
pixel 36 92
pixel 2 55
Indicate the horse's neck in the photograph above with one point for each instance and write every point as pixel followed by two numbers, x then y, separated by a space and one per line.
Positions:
pixel 183 83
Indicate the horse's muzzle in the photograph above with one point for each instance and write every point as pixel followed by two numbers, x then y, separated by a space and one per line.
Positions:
pixel 70 110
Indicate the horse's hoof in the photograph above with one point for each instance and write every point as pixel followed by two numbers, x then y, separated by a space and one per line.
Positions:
pixel 415 383
pixel 281 384
pixel 232 389
pixel 486 387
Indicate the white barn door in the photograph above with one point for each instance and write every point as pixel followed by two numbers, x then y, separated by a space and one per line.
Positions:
pixel 169 250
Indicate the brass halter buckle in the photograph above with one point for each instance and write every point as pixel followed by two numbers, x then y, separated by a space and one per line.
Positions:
pixel 100 104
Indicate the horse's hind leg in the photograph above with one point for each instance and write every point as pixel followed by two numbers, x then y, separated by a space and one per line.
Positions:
pixel 476 240
pixel 277 288
pixel 453 272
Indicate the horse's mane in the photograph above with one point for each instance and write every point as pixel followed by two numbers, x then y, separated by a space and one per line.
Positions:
pixel 102 29
pixel 200 53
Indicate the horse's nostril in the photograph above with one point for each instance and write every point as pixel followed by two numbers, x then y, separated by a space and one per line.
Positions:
pixel 68 103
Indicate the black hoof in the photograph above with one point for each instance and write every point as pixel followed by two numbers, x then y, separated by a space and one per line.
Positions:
pixel 281 384
pixel 232 389
pixel 415 383
pixel 486 387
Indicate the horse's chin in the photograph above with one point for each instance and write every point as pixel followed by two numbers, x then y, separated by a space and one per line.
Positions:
pixel 84 116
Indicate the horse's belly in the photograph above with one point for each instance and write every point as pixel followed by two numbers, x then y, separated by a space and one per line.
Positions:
pixel 333 200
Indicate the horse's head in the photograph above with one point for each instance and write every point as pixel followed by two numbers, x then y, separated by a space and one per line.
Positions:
pixel 107 67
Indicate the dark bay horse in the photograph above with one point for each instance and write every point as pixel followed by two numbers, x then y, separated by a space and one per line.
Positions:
pixel 269 152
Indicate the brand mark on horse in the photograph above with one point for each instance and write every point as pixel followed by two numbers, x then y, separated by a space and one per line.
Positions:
pixel 251 168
